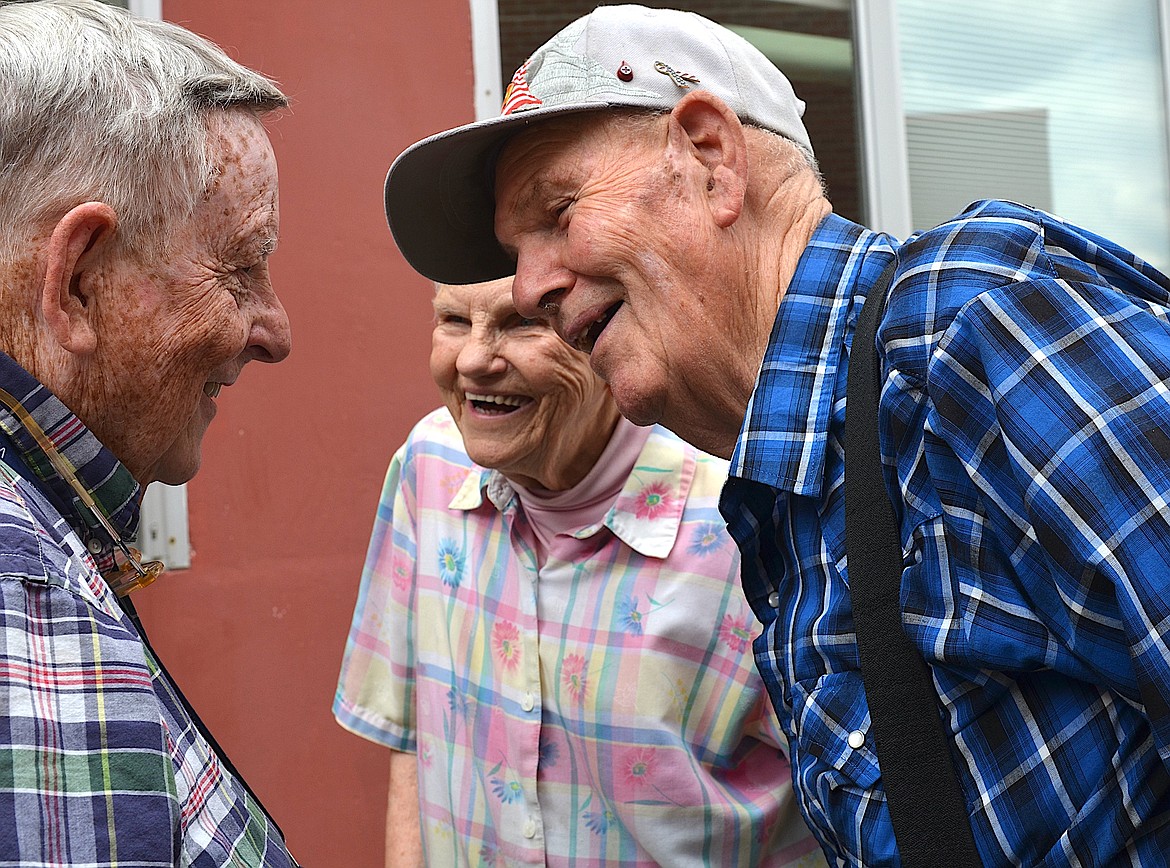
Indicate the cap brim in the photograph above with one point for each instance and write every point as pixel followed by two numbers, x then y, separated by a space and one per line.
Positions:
pixel 440 198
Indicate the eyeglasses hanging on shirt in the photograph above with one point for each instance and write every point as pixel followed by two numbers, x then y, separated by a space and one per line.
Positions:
pixel 125 576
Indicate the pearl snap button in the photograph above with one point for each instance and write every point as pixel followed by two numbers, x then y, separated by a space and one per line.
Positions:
pixel 774 599
pixel 857 739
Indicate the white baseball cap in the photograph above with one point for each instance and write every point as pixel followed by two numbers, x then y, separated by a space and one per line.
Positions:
pixel 440 200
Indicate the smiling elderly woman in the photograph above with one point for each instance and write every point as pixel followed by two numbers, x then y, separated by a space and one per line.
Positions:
pixel 550 619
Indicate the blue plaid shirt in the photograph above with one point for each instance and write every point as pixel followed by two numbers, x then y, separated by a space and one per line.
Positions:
pixel 1025 420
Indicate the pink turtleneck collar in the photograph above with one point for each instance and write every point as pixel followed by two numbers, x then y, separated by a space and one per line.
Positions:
pixel 585 504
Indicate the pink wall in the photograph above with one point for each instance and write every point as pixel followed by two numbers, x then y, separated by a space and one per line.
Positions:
pixel 281 512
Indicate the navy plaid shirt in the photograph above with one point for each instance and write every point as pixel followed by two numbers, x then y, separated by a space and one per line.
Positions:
pixel 1025 421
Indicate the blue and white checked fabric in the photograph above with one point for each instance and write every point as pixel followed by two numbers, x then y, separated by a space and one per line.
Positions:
pixel 1026 412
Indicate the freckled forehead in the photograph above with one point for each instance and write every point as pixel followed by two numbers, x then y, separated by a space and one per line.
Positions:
pixel 239 149
pixel 243 189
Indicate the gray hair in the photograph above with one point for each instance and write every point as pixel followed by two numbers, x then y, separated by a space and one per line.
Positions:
pixel 782 152
pixel 100 105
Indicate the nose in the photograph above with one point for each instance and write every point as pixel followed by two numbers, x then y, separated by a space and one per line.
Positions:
pixel 479 356
pixel 270 339
pixel 540 284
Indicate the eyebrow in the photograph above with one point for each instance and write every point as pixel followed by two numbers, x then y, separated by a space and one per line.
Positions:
pixel 539 190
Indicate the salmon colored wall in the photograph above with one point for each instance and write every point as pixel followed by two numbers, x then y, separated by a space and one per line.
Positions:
pixel 280 513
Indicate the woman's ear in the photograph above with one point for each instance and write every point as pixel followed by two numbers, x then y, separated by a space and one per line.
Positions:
pixel 67 299
pixel 716 136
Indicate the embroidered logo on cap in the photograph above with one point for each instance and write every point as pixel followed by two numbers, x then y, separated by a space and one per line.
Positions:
pixel 518 97
pixel 682 79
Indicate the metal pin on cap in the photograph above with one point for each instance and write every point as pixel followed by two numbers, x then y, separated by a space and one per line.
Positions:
pixel 682 79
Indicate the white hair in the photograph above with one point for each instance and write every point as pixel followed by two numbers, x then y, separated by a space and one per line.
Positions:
pixel 782 154
pixel 100 105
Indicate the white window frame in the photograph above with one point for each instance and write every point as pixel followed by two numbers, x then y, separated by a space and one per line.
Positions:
pixel 146 8
pixel 1164 28
pixel 879 80
pixel 485 58
pixel 885 166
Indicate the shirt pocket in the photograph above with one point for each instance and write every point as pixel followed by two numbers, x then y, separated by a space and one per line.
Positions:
pixel 828 713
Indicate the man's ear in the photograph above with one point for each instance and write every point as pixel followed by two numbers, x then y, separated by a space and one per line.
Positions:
pixel 717 138
pixel 67 299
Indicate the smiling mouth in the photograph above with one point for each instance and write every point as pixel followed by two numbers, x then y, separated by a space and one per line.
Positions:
pixel 497 405
pixel 588 338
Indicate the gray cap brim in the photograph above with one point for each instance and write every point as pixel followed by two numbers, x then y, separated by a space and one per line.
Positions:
pixel 440 198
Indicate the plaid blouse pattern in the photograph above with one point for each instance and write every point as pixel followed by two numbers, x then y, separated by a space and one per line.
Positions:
pixel 603 709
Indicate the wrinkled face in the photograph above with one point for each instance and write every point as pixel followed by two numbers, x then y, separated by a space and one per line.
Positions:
pixel 525 403
pixel 612 240
pixel 174 332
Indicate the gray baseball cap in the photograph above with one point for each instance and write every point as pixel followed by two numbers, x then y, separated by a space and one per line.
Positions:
pixel 440 200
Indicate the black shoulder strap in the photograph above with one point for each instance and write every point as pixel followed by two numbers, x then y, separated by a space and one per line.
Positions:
pixel 926 804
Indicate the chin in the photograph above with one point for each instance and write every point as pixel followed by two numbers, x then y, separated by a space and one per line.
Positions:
pixel 487 453
pixel 637 406
pixel 169 476
pixel 178 466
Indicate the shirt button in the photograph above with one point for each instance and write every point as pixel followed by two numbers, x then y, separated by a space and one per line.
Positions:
pixel 528 703
pixel 857 739
pixel 530 828
pixel 774 599
pixel 94 545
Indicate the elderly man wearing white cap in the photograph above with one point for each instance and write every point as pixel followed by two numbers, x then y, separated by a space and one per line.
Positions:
pixel 985 677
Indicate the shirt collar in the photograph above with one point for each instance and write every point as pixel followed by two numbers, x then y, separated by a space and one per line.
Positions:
pixel 106 479
pixel 647 513
pixel 782 442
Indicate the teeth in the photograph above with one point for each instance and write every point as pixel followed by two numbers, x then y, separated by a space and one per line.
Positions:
pixel 507 400
pixel 212 389
pixel 588 338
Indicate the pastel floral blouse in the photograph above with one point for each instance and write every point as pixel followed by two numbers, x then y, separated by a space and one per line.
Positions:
pixel 602 710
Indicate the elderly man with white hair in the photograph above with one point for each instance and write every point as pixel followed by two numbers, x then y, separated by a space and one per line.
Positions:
pixel 988 679
pixel 138 208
